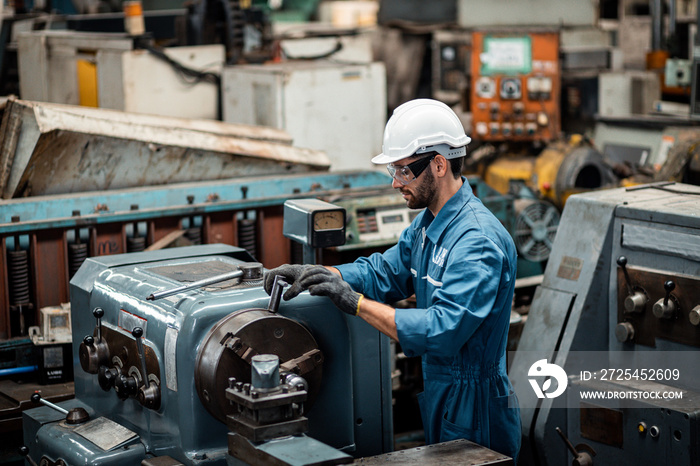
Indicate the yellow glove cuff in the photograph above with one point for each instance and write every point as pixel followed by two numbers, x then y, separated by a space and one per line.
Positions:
pixel 359 300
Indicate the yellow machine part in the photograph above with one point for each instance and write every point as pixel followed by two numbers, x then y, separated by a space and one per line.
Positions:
pixel 546 168
pixel 87 82
pixel 501 172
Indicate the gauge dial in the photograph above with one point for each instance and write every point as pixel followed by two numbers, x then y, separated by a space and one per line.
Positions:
pixel 328 220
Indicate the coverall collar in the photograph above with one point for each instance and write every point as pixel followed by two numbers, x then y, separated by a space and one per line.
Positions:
pixel 434 226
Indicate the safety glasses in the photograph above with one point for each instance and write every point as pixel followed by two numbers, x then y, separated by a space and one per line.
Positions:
pixel 405 174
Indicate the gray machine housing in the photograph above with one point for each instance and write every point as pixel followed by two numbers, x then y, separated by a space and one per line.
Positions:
pixel 580 307
pixel 351 412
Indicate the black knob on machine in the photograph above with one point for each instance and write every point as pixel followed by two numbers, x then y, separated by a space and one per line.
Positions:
pixel 24 451
pixel 126 386
pixel 107 377
pixel 666 307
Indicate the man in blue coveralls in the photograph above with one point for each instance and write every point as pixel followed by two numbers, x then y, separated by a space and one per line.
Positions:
pixel 459 261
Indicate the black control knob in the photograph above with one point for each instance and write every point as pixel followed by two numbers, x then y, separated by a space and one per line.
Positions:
pixel 666 308
pixel 107 377
pixel 126 386
pixel 24 451
pixel 636 299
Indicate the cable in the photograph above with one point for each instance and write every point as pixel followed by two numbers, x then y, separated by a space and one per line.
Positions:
pixel 189 75
pixel 338 47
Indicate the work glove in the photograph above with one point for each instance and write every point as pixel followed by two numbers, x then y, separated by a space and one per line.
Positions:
pixel 322 282
pixel 291 274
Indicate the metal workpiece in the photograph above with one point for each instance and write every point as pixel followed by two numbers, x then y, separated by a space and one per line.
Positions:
pixel 265 371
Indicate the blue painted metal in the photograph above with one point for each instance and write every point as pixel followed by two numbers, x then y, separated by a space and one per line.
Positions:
pixel 351 413
pixel 17 370
pixel 46 212
pixel 51 435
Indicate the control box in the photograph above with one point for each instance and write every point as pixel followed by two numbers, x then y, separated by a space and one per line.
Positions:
pixel 515 86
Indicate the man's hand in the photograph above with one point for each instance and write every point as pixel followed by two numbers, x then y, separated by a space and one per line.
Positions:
pixel 291 274
pixel 322 282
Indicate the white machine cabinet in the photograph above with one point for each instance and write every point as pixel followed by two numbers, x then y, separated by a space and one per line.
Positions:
pixel 334 107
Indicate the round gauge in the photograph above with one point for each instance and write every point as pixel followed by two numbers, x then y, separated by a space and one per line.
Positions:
pixel 328 220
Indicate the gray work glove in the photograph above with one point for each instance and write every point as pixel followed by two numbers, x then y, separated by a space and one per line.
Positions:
pixel 322 282
pixel 291 274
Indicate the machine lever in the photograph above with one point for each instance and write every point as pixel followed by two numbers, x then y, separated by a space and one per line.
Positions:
pixel 669 286
pixel 622 262
pixel 98 312
pixel 582 458
pixel 74 416
pixel 198 284
pixel 276 294
pixel 36 398
pixel 137 333
pixel 636 299
pixel 24 451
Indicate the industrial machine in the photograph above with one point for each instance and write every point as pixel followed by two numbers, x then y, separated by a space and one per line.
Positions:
pixel 180 353
pixel 377 217
pixel 515 85
pixel 620 293
pixel 347 100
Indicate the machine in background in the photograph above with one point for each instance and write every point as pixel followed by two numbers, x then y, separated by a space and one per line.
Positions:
pixel 515 85
pixel 155 367
pixel 622 281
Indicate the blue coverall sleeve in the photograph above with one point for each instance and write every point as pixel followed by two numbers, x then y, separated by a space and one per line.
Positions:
pixel 384 277
pixel 460 304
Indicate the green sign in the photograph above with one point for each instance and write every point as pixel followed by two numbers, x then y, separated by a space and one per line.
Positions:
pixel 506 55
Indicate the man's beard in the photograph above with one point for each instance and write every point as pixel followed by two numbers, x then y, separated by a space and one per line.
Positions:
pixel 423 194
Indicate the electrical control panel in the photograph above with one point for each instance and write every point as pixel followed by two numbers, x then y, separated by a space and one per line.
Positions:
pixel 515 86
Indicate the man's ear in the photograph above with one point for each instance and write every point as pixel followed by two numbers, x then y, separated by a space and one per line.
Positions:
pixel 443 165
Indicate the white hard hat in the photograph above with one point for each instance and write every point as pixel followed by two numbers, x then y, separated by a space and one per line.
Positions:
pixel 419 126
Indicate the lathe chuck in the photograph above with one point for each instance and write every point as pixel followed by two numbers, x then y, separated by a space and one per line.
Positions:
pixel 228 348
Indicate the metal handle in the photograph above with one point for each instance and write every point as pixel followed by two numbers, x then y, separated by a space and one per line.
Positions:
pixel 137 333
pixel 36 398
pixel 197 284
pixel 276 294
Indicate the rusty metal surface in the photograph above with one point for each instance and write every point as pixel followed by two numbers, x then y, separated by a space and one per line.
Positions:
pixel 455 453
pixel 601 424
pixel 63 149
